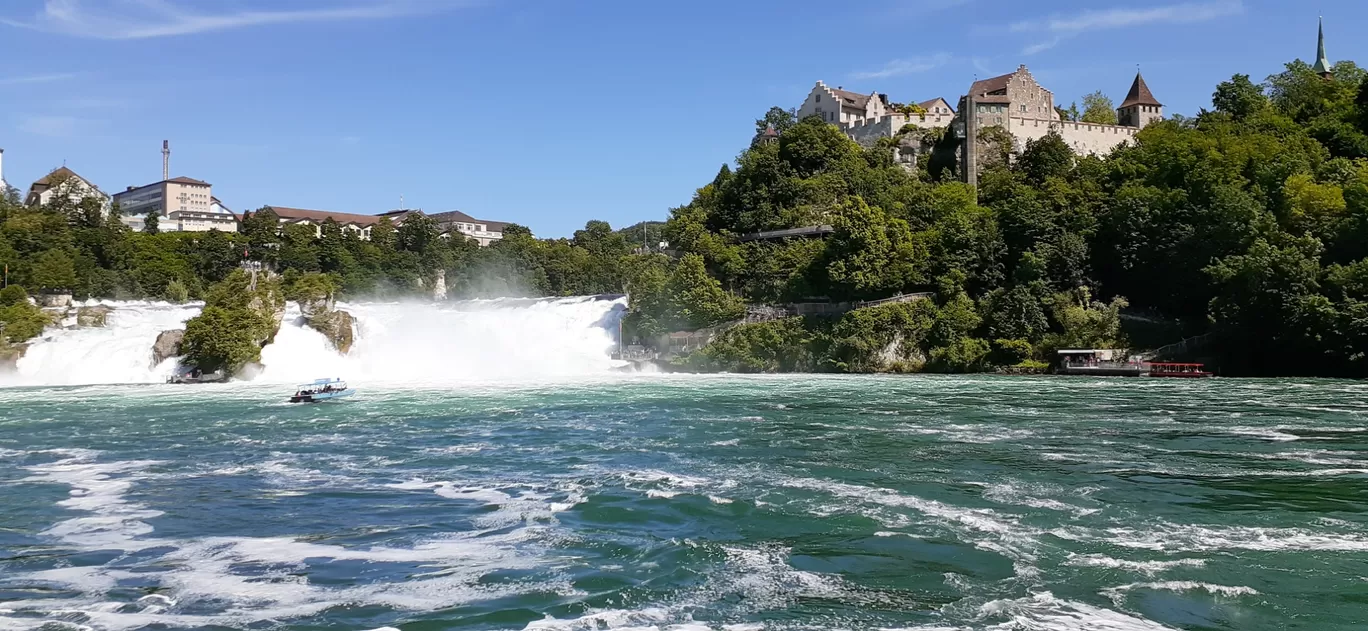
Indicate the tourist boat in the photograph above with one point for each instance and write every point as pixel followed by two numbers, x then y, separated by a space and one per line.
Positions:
pixel 321 390
pixel 1187 371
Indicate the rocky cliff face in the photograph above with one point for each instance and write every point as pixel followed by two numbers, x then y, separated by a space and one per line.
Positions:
pixel 338 326
pixel 168 345
pixel 96 316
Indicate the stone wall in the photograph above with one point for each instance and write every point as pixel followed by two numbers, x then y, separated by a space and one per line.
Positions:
pixel 1083 138
pixel 868 132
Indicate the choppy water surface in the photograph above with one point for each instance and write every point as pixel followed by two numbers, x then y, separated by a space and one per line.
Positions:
pixel 681 502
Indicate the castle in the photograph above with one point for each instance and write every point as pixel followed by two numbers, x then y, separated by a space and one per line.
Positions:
pixel 1014 102
pixel 1026 110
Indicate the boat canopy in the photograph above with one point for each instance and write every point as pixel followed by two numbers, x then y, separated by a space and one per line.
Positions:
pixel 333 381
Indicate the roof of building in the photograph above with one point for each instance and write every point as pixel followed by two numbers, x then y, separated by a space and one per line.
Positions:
pixel 983 87
pixel 456 216
pixel 770 132
pixel 59 173
pixel 187 180
pixel 302 214
pixel 854 99
pixel 1322 62
pixel 56 173
pixel 1140 94
pixel 926 105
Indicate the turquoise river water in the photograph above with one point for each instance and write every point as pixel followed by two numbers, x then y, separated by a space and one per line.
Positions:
pixel 690 503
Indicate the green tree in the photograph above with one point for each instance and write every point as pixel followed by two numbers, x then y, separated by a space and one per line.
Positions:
pixel 870 255
pixel 13 295
pixel 1239 97
pixel 53 270
pixel 1098 109
pixel 214 255
pixel 218 339
pixel 777 117
pixel 697 300
pixel 151 223
pixel 1046 157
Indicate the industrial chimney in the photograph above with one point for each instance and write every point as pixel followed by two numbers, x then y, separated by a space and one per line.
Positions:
pixel 166 160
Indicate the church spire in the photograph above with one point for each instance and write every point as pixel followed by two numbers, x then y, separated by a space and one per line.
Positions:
pixel 1322 66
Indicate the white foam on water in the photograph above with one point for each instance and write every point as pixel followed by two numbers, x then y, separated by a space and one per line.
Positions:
pixel 648 619
pixel 433 343
pixel 1264 433
pixel 1045 612
pixel 1148 568
pixel 1174 538
pixel 1118 593
pixel 514 505
pixel 1023 494
pixel 1006 535
pixel 111 520
pixel 119 352
pixel 207 574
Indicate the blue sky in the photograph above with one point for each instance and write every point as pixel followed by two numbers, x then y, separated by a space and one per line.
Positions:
pixel 550 113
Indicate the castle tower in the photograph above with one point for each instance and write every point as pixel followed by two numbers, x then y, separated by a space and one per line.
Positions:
pixel 1322 66
pixel 768 137
pixel 1140 107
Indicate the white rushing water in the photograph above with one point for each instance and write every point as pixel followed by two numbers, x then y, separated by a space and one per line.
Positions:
pixel 119 352
pixel 451 342
pixel 395 343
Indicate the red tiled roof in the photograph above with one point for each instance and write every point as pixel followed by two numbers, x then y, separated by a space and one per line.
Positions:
pixel 1140 94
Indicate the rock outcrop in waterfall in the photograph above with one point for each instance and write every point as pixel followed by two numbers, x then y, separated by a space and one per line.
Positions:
pixel 168 345
pixel 315 294
pixel 93 316
pixel 241 315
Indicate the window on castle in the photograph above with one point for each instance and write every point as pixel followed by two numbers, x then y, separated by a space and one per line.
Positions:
pixel 1023 109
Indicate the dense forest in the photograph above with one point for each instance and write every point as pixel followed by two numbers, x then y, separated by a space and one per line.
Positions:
pixel 1247 223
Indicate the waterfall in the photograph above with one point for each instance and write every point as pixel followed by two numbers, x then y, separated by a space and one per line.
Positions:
pixel 426 343
pixel 119 352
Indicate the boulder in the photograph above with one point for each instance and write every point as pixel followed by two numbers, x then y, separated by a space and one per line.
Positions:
pixel 316 306
pixel 54 300
pixel 338 326
pixel 95 316
pixel 168 345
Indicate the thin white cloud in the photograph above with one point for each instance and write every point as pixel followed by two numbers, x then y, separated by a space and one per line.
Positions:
pixel 142 19
pixel 1041 47
pixel 38 78
pixel 1185 13
pixel 910 65
pixel 50 126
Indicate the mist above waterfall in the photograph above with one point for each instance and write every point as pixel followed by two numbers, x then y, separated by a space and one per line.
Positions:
pixel 456 341
pixel 424 343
